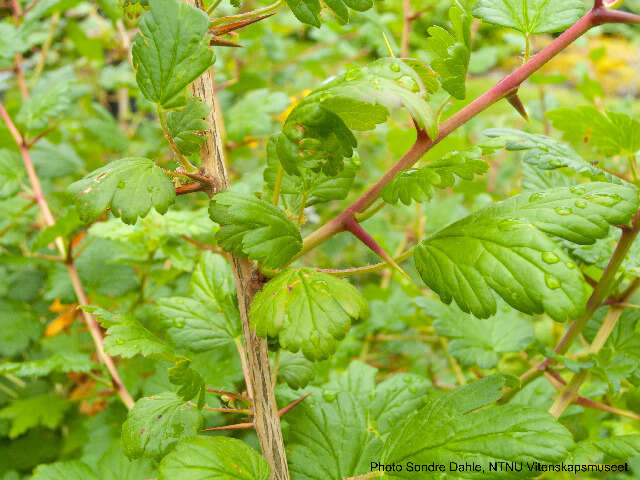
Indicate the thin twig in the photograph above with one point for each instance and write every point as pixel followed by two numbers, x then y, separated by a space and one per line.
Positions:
pixel 90 321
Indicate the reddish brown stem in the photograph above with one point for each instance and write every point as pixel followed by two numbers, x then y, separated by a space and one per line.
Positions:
pixel 90 321
pixel 597 16
pixel 406 27
pixel 189 188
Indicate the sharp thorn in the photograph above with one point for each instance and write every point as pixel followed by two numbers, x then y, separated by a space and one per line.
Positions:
pixel 288 408
pixel 352 225
pixel 237 426
pixel 513 98
pixel 229 27
pixel 221 42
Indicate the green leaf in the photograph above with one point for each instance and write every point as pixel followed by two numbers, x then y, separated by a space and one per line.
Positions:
pixel 155 424
pixel 307 11
pixel 47 409
pixel 296 370
pixel 11 173
pixel 189 381
pixel 530 16
pixel 317 133
pixel 505 433
pixel 130 187
pixel 620 447
pixel 18 327
pixel 55 160
pixel 547 153
pixel 478 342
pixel 188 127
pixel 251 115
pixel 417 184
pixel 328 438
pixel 171 51
pixel 315 187
pixel 537 179
pixel 194 324
pixel 63 227
pixel 254 228
pixel 217 458
pixel 307 310
pixel 45 106
pixel 506 248
pixel 452 51
pixel 60 362
pixel 610 133
pixel 337 433
pixel 127 337
pixel 72 470
pixel 104 128
pixel 213 282
pixel 114 465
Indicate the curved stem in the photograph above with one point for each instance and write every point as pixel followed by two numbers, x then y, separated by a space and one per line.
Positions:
pixel 90 321
pixel 596 16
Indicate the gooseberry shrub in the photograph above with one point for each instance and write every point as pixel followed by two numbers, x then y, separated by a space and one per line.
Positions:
pixel 317 256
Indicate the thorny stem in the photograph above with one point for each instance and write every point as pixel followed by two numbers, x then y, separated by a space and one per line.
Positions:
pixel 247 281
pixel 596 16
pixel 90 321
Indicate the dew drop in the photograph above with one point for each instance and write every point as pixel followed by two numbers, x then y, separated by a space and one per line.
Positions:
pixel 395 67
pixel 413 389
pixel 120 341
pixel 536 196
pixel 329 395
pixel 551 282
pixel 121 184
pixel 577 190
pixel 563 211
pixel 608 200
pixel 581 203
pixel 570 265
pixel 556 163
pixel 507 224
pixel 408 379
pixel 178 323
pixel 550 258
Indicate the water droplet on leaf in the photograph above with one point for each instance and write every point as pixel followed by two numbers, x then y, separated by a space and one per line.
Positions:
pixel 563 210
pixel 329 395
pixel 551 282
pixel 550 257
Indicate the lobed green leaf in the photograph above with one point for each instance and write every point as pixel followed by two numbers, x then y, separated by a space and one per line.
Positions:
pixel 307 310
pixel 506 248
pixel 130 187
pixel 254 228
